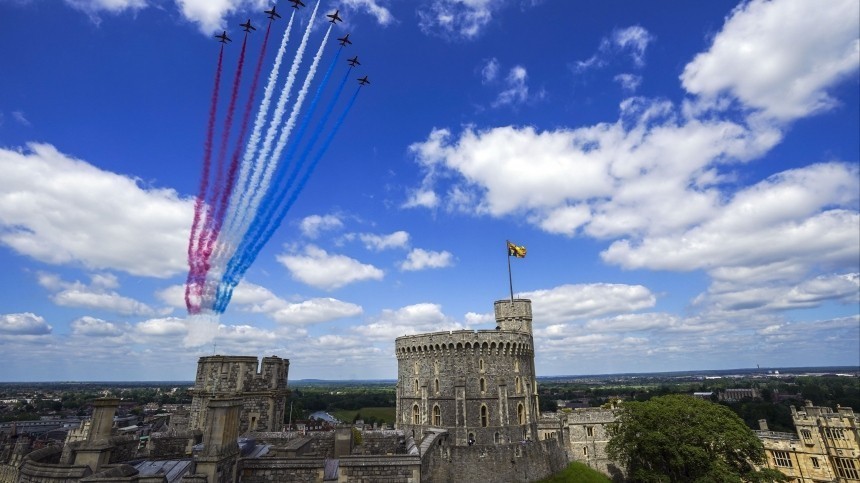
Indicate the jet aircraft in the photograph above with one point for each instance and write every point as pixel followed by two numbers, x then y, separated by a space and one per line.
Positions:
pixel 297 3
pixel 363 81
pixel 223 37
pixel 345 40
pixel 247 26
pixel 272 13
pixel 354 61
pixel 334 17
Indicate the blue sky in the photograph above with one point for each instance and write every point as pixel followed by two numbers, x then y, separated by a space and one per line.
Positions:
pixel 685 179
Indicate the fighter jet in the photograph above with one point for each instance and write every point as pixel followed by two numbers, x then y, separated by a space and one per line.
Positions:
pixel 297 3
pixel 272 13
pixel 247 26
pixel 223 37
pixel 354 61
pixel 345 40
pixel 334 17
pixel 363 81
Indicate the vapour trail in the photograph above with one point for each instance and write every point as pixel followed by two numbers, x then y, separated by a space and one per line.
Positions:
pixel 215 213
pixel 257 186
pixel 193 275
pixel 237 200
pixel 208 288
pixel 222 302
pixel 287 170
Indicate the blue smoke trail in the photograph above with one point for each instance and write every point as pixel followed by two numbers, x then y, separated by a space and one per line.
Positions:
pixel 303 181
pixel 252 242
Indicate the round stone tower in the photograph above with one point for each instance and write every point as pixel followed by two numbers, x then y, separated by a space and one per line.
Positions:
pixel 478 385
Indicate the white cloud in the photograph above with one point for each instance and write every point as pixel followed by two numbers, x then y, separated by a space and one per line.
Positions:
pixel 516 91
pixel 54 208
pixel 779 57
pixel 464 19
pixel 398 239
pixel 97 295
pixel 319 269
pixel 629 82
pixel 489 71
pixel 92 327
pixel 571 302
pixel 19 116
pixel 313 225
pixel 632 41
pixel 411 319
pixel 419 259
pixel 170 326
pixel 209 14
pixel 422 198
pixel 375 8
pixel 93 7
pixel 23 324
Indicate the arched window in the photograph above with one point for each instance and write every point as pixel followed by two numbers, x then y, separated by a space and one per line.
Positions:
pixel 416 386
pixel 483 384
pixel 516 365
pixel 521 413
pixel 416 414
pixel 437 416
pixel 519 385
pixel 497 438
pixel 436 385
pixel 485 416
pixel 481 365
pixel 585 451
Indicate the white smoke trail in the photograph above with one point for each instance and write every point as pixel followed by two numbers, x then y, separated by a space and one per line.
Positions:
pixel 291 122
pixel 258 189
pixel 224 249
pixel 202 329
pixel 238 200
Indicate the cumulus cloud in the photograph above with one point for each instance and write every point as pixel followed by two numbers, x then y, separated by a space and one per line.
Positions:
pixel 23 324
pixel 398 239
pixel 779 57
pixel 98 295
pixel 571 302
pixel 93 327
pixel 318 268
pixel 457 19
pixel 420 259
pixel 631 41
pixel 628 82
pixel 54 208
pixel 313 225
pixel 209 14
pixel 411 319
pixel 375 8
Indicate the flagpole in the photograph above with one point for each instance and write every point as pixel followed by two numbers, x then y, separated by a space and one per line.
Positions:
pixel 510 278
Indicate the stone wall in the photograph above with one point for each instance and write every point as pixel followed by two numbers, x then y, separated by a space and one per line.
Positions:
pixel 585 433
pixel 381 443
pixel 377 469
pixel 493 463
pixel 265 470
pixel 477 385
pixel 173 444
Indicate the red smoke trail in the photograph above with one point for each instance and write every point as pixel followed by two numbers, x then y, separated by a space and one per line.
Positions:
pixel 193 259
pixel 234 161
pixel 214 215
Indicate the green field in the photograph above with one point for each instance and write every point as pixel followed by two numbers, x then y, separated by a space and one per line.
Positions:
pixel 579 473
pixel 347 415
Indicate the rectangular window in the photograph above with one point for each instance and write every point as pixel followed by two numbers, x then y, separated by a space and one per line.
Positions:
pixel 834 433
pixel 807 434
pixel 585 450
pixel 815 462
pixel 589 431
pixel 782 458
pixel 846 468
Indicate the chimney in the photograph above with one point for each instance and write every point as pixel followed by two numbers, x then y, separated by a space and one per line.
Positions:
pixel 762 425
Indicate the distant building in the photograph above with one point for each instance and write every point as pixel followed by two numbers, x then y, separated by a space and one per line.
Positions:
pixel 825 448
pixel 737 395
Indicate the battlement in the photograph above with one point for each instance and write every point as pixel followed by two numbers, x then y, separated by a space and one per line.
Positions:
pixel 234 374
pixel 497 342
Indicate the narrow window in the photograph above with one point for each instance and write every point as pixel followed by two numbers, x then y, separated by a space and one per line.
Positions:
pixel 782 458
pixel 589 431
pixel 521 414
pixel 497 438
pixel 416 386
pixel 483 385
pixel 814 462
pixel 585 451
pixel 516 365
pixel 416 414
pixel 481 365
pixel 807 434
pixel 519 385
pixel 437 416
pixel 485 418
pixel 436 384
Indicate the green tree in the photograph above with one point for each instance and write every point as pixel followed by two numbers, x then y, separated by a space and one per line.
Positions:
pixel 678 438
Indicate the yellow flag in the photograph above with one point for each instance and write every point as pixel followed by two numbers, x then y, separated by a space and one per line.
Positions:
pixel 516 251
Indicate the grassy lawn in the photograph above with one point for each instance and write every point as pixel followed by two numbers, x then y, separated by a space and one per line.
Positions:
pixel 347 416
pixel 577 472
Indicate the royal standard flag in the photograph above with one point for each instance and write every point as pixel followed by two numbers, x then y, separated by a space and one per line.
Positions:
pixel 516 251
